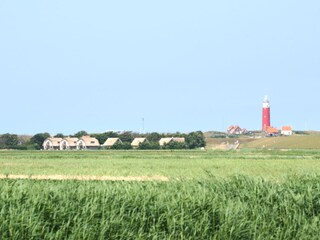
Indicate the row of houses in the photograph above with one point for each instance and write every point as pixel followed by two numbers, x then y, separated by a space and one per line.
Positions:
pixel 70 143
pixel 90 143
pixel 285 130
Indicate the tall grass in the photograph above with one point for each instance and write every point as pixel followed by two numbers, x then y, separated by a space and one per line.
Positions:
pixel 238 208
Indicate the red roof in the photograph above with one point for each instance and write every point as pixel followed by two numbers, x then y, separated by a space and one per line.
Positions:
pixel 286 128
pixel 272 130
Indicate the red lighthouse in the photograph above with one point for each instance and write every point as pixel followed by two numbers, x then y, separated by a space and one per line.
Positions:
pixel 265 114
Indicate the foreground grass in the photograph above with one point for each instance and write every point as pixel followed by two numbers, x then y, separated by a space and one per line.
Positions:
pixel 237 208
pixel 272 165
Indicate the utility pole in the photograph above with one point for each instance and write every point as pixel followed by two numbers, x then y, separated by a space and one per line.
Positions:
pixel 143 125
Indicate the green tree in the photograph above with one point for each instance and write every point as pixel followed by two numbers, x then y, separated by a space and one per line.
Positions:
pixel 59 135
pixel 179 134
pixel 102 137
pixel 154 137
pixel 38 139
pixel 9 141
pixel 195 140
pixel 80 134
pixel 126 137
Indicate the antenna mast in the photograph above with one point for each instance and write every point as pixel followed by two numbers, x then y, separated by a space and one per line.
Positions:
pixel 143 125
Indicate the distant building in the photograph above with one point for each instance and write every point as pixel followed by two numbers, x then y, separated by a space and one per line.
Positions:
pixel 137 141
pixel 68 143
pixel 87 142
pixel 265 114
pixel 286 131
pixel 271 131
pixel 52 144
pixel 236 130
pixel 164 141
pixel 110 142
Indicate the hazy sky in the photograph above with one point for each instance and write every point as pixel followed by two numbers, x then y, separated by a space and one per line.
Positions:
pixel 184 65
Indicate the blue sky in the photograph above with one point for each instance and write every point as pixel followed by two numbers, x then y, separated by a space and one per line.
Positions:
pixel 184 65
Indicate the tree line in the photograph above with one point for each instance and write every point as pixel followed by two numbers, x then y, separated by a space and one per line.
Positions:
pixel 193 140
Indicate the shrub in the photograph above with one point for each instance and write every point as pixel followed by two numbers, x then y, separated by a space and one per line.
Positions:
pixel 218 136
pixel 149 146
pixel 121 146
pixel 174 145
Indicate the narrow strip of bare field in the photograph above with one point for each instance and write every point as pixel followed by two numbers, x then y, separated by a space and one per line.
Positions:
pixel 86 178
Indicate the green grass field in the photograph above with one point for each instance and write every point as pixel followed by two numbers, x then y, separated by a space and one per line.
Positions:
pixel 245 194
pixel 273 165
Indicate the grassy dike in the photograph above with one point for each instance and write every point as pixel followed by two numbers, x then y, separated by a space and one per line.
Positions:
pixel 236 208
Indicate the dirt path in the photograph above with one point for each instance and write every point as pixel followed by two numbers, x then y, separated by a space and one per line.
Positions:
pixel 86 178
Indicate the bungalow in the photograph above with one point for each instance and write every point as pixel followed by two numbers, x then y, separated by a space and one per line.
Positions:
pixel 286 131
pixel 137 141
pixel 69 143
pixel 87 142
pixel 271 131
pixel 110 142
pixel 52 144
pixel 164 141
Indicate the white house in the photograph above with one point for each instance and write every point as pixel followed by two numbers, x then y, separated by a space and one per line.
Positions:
pixel 69 143
pixel 286 131
pixel 52 144
pixel 87 142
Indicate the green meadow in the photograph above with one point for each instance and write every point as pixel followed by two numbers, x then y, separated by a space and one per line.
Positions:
pixel 271 165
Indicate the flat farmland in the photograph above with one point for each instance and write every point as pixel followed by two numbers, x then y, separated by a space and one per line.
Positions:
pixel 242 194
pixel 270 165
